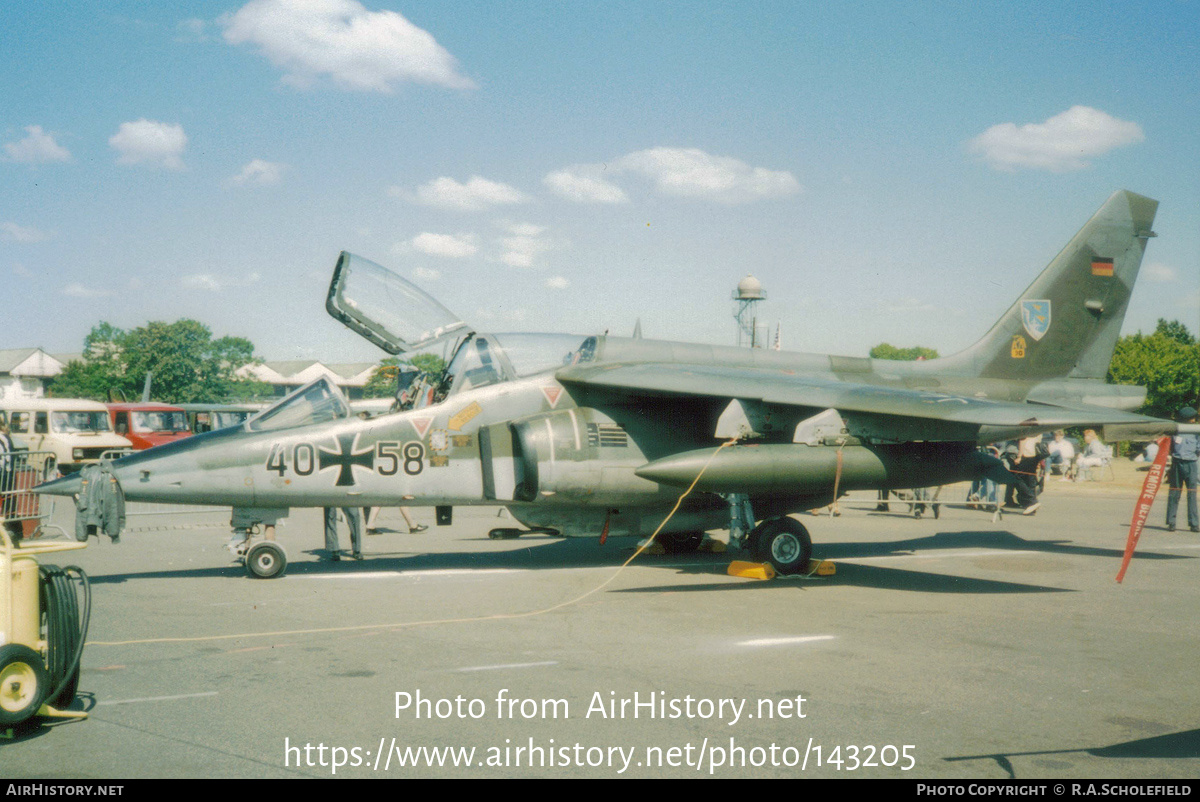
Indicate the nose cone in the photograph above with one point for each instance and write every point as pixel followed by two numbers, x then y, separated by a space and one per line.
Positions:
pixel 66 486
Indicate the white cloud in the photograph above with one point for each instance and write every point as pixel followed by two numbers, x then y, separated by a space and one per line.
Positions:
pixel 681 172
pixel 1159 273
pixel 524 244
pixel 12 232
pixel 209 282
pixel 557 283
pixel 524 229
pixel 202 281
pixel 584 183
pixel 692 173
pixel 150 142
pixel 1062 143
pixel 359 49
pixel 475 195
pixel 427 273
pixel 447 245
pixel 76 290
pixel 38 147
pixel 258 172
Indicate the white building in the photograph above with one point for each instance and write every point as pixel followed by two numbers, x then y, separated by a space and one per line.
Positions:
pixel 25 372
pixel 287 376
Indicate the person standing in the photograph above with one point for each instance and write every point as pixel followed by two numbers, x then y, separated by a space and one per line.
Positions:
pixel 1182 477
pixel 1030 452
pixel 354 521
pixel 7 483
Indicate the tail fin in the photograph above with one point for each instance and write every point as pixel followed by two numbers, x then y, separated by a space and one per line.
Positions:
pixel 1067 323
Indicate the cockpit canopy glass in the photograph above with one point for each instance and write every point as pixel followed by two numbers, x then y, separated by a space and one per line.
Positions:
pixel 318 401
pixel 485 359
pixel 537 353
pixel 389 311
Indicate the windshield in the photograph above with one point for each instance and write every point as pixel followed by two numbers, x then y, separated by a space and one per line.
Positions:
pixel 389 311
pixel 316 402
pixel 79 422
pixel 475 364
pixel 536 353
pixel 487 359
pixel 160 421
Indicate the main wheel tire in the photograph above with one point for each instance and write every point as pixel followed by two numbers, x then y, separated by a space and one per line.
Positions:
pixel 265 560
pixel 680 542
pixel 785 544
pixel 23 683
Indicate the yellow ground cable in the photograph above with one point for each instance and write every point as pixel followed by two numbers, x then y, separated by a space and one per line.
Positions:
pixel 496 617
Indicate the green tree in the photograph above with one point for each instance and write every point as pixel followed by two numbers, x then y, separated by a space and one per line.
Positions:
pixel 1166 363
pixel 382 383
pixel 186 363
pixel 887 351
pixel 1174 330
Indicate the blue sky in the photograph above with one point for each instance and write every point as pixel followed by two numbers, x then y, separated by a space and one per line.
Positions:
pixel 890 172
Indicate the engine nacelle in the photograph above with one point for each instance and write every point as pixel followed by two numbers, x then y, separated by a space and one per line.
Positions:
pixel 573 454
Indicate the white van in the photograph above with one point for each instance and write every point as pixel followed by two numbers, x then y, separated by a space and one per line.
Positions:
pixel 76 431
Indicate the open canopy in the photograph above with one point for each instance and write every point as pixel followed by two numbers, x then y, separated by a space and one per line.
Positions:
pixel 390 312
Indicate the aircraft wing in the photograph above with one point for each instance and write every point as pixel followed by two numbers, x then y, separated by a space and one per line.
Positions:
pixel 898 413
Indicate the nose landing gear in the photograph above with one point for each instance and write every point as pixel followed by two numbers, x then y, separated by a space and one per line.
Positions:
pixel 265 559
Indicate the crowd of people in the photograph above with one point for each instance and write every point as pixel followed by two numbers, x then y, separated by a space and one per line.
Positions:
pixel 1032 459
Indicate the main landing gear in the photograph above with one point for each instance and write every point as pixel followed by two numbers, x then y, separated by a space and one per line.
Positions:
pixel 783 542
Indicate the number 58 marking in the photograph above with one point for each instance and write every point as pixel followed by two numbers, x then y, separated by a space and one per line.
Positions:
pixel 410 456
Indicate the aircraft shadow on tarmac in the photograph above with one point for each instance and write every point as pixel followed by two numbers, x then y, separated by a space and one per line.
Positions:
pixel 887 578
pixel 999 539
pixel 1172 746
pixel 545 552
pixel 869 576
pixel 541 552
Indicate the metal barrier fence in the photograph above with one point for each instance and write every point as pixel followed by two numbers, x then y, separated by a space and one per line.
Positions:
pixel 23 513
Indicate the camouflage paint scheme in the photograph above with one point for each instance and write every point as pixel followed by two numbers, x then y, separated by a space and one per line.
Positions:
pixel 606 436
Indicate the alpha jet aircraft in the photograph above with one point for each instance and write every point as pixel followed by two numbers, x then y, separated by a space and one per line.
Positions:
pixel 601 434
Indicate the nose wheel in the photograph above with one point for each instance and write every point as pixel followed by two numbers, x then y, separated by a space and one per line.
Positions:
pixel 265 560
